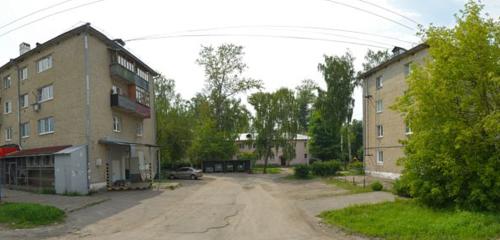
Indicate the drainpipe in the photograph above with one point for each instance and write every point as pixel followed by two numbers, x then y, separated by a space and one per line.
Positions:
pixel 18 106
pixel 87 101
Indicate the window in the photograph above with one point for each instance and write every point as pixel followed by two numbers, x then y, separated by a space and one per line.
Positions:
pixel 142 96
pixel 8 134
pixel 305 155
pixel 380 131
pixel 242 146
pixel 143 74
pixel 117 125
pixel 378 82
pixel 379 106
pixel 23 101
pixel 125 63
pixel 23 73
pixel 140 129
pixel 7 81
pixel 45 93
pixel 44 64
pixel 407 69
pixel 7 107
pixel 380 157
pixel 46 125
pixel 408 130
pixel 25 129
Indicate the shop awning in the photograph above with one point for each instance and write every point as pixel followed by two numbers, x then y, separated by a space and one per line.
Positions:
pixel 43 151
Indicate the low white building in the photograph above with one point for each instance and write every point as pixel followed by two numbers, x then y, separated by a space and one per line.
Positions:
pixel 245 142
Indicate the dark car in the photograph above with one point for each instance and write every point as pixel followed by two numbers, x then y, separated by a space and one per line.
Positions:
pixel 185 172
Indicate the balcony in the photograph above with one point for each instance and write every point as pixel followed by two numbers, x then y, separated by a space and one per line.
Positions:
pixel 118 71
pixel 125 104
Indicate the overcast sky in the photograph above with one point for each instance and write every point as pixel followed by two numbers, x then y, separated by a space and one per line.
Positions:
pixel 279 62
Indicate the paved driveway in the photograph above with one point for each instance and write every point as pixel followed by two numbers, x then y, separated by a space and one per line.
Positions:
pixel 218 207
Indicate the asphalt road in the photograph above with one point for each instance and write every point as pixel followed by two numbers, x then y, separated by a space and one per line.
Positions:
pixel 217 207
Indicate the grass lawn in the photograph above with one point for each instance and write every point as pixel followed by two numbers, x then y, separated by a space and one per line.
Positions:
pixel 404 219
pixel 348 186
pixel 26 215
pixel 270 170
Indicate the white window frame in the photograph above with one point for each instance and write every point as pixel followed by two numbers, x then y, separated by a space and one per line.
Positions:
pixel 380 131
pixel 380 157
pixel 379 82
pixel 140 129
pixel 408 130
pixel 44 64
pixel 7 82
pixel 126 63
pixel 23 73
pixel 407 69
pixel 45 93
pixel 24 101
pixel 379 106
pixel 25 129
pixel 8 134
pixel 46 126
pixel 117 125
pixel 143 74
pixel 7 107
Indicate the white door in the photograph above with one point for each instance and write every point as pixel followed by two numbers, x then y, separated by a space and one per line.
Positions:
pixel 116 173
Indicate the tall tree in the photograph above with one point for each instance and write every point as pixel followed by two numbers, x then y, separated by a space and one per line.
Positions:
pixel 275 124
pixel 224 67
pixel 173 120
pixel 453 155
pixel 305 96
pixel 333 106
pixel 373 59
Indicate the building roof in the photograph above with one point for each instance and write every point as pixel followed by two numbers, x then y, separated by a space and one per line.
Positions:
pixel 113 45
pixel 37 151
pixel 250 136
pixel 394 59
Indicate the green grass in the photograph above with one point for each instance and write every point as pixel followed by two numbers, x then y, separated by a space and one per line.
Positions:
pixel 405 219
pixel 348 186
pixel 26 215
pixel 270 170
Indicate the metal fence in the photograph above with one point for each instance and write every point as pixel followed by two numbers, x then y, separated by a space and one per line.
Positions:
pixel 35 173
pixel 227 166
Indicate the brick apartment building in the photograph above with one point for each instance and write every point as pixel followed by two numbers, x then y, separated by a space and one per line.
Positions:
pixel 383 128
pixel 80 109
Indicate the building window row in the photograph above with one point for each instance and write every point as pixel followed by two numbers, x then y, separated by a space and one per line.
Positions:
pixel 45 126
pixel 117 126
pixel 143 74
pixel 126 64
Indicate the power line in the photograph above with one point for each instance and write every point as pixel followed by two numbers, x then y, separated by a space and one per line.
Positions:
pixel 389 10
pixel 51 15
pixel 258 35
pixel 278 27
pixel 372 13
pixel 35 12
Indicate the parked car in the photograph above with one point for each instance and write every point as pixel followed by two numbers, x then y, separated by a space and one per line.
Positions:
pixel 185 172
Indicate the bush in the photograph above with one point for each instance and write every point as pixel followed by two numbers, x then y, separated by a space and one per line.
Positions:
pixel 376 186
pixel 357 167
pixel 301 171
pixel 401 188
pixel 324 169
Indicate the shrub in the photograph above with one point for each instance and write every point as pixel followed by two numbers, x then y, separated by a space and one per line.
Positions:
pixel 357 167
pixel 401 188
pixel 324 169
pixel 301 171
pixel 376 186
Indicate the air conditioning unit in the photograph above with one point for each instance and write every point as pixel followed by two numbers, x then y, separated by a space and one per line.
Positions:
pixel 36 107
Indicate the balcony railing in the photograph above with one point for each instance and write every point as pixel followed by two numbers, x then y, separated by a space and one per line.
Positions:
pixel 128 105
pixel 130 77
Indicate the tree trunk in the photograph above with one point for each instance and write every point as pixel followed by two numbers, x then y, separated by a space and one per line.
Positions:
pixel 349 143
